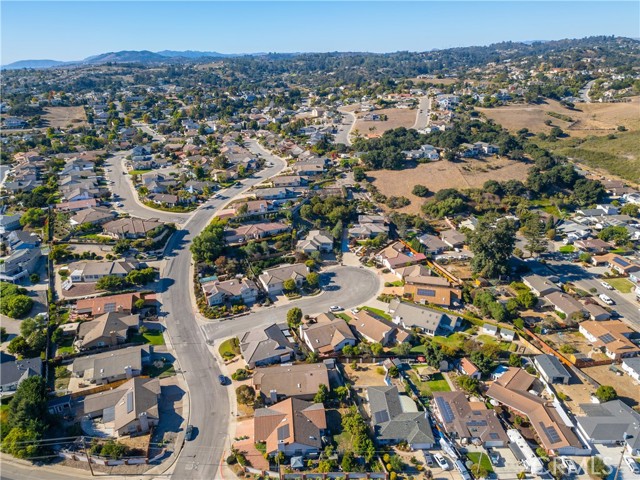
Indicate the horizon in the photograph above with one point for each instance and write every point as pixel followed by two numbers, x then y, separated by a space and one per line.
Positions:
pixel 60 30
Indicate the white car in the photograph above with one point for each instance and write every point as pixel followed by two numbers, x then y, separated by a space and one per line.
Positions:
pixel 335 308
pixel 354 311
pixel 441 461
pixel 119 204
pixel 569 465
pixel 631 463
pixel 606 285
pixel 606 299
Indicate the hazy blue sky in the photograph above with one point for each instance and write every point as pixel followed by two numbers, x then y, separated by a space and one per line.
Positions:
pixel 76 29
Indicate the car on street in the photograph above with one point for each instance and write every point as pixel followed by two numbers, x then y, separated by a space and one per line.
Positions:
pixel 335 308
pixel 632 464
pixel 606 299
pixel 188 434
pixel 119 204
pixel 441 461
pixel 222 379
pixel 569 465
pixel 606 285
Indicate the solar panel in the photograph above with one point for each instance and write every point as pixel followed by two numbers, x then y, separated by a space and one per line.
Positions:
pixel 621 262
pixel 494 436
pixel 381 416
pixel 552 434
pixel 426 293
pixel 607 338
pixel 445 410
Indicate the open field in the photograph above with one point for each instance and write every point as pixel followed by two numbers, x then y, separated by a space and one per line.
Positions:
pixel 586 119
pixel 626 388
pixel 438 81
pixel 397 117
pixel 442 174
pixel 62 117
pixel 618 156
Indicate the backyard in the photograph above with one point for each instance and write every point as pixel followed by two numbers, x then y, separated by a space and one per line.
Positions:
pixel 436 383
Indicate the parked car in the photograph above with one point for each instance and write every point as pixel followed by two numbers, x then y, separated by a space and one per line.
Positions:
pixel 631 463
pixel 188 434
pixel 441 461
pixel 428 459
pixel 119 204
pixel 606 285
pixel 222 379
pixel 569 465
pixel 606 299
pixel 494 457
pixel 335 308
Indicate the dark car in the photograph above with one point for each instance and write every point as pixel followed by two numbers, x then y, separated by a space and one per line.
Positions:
pixel 222 379
pixel 188 434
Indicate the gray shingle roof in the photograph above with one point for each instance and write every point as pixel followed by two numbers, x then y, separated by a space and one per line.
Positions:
pixel 610 421
pixel 551 366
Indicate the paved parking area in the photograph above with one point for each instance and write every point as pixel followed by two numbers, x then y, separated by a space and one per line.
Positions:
pixel 509 466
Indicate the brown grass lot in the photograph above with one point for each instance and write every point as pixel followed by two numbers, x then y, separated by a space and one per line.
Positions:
pixel 398 117
pixel 625 386
pixel 62 117
pixel 443 174
pixel 588 118
pixel 438 81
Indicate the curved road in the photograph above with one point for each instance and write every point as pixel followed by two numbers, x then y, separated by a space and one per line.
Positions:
pixel 344 131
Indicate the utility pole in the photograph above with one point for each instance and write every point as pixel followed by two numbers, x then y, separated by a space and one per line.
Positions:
pixel 86 454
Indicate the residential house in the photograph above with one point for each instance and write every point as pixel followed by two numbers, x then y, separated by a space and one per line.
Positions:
pixel 76 205
pixel 254 231
pixel 19 265
pixel 596 312
pixel 107 330
pixel 430 289
pixel 20 240
pixel 541 286
pixel 619 264
pixel 369 226
pixel 592 245
pixel 280 194
pixel 267 345
pixel 290 381
pixel 328 335
pixel 427 321
pixel 316 241
pixel 131 228
pixel 453 238
pixel 609 424
pixel 234 290
pixel 468 368
pixel 8 223
pixel 551 369
pixel 94 271
pixel 507 335
pixel 92 216
pixel 632 367
pixel 432 244
pixel 488 329
pixel 13 371
pixel 611 336
pixel 293 426
pixel 395 419
pixel 273 279
pixel 468 422
pixel 131 408
pixel 566 304
pixel 376 329
pixel 122 303
pixel 397 255
pixel 287 181
pixel 164 199
pixel 112 366
pixel 514 390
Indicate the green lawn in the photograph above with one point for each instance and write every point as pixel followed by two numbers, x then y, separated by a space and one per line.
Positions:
pixel 621 284
pixel 567 249
pixel 397 283
pixel 166 370
pixel 344 316
pixel 229 348
pixel 65 346
pixel 482 459
pixel 138 172
pixel 378 312
pixel 4 411
pixel 154 337
pixel 454 340
pixel 437 383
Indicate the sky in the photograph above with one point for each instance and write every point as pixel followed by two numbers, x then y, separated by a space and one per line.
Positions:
pixel 74 30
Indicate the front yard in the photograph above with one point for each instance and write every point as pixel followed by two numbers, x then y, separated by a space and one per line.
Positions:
pixel 621 284
pixel 153 337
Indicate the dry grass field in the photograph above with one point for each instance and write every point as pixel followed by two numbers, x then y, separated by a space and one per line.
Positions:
pixel 62 117
pixel 397 117
pixel 438 81
pixel 586 119
pixel 439 175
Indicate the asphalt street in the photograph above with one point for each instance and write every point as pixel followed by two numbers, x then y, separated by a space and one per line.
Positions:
pixel 424 110
pixel 345 128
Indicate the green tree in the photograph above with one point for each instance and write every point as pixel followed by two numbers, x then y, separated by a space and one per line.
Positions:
pixel 289 285
pixel 113 449
pixel 22 442
pixel 618 234
pixel 245 394
pixel 597 468
pixel 515 360
pixel 630 209
pixel 468 384
pixel 377 349
pixel 359 174
pixel 16 306
pixel 322 394
pixel 483 361
pixel 606 393
pixel 141 277
pixel 526 299
pixel 534 231
pixel 348 463
pixel 420 191
pixel 313 280
pixel 492 245
pixel 28 407
pixel 112 283
pixel 208 246
pixel 341 393
pixel 294 317
pixel 33 217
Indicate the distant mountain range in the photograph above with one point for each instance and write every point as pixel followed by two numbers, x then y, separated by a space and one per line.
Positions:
pixel 124 56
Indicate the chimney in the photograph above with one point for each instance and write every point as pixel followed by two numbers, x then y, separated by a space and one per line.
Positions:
pixel 144 422
pixel 114 337
pixel 128 372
